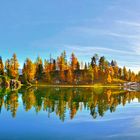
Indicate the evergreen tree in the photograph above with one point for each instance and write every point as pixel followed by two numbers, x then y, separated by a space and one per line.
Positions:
pixel 39 68
pixel 94 60
pixel 85 68
pixel 102 63
pixel 1 67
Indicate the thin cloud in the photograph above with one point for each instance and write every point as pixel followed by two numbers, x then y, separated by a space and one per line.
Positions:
pixel 90 49
pixel 134 24
pixel 123 35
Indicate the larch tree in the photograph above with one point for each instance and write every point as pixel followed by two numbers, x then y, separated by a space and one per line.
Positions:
pixel 69 76
pixel 112 71
pixel 125 74
pixel 91 73
pixel 28 70
pixel 96 74
pixel 62 62
pixel 7 67
pixel 74 61
pixel 116 71
pixel 120 73
pixel 109 79
pixel 14 67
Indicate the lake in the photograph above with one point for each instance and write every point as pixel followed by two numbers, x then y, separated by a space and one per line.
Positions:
pixel 41 113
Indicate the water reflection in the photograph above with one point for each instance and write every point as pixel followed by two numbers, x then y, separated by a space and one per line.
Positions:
pixel 61 100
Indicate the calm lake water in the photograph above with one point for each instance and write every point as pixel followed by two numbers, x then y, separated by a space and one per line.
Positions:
pixel 69 113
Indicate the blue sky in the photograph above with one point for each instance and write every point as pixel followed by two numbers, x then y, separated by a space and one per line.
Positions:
pixel 40 27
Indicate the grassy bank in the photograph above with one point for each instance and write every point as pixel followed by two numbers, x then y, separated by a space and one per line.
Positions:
pixel 115 83
pixel 61 85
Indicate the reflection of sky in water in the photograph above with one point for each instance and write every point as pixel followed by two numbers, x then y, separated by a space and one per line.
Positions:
pixel 124 123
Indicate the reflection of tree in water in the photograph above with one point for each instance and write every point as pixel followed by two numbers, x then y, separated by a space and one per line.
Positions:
pixel 29 99
pixel 11 102
pixel 60 100
pixel 3 92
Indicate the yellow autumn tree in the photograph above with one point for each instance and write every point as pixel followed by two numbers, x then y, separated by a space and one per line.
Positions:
pixel 74 61
pixel 28 70
pixel 69 76
pixel 109 79
pixel 62 62
pixel 12 67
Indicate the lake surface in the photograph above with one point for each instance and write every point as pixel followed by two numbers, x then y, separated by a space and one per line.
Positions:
pixel 69 113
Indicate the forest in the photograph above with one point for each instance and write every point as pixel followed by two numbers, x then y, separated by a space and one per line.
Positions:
pixel 64 71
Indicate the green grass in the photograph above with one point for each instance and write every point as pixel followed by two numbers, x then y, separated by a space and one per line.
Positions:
pixel 99 83
pixel 69 85
pixel 115 80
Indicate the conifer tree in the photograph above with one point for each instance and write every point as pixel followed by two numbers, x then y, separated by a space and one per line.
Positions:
pixel 39 68
pixel 1 67
pixel 28 70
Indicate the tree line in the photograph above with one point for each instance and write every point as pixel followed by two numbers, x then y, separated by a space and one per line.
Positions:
pixel 64 71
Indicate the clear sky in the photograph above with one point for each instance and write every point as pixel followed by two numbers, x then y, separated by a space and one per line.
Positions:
pixel 40 27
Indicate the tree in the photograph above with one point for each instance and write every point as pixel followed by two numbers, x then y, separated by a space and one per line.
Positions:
pixel 62 76
pixel 129 74
pixel 125 74
pixel 54 65
pixel 39 68
pixel 102 63
pixel 74 61
pixel 133 77
pixel 113 63
pixel 116 71
pixel 94 60
pixel 109 80
pixel 96 72
pixel 28 70
pixel 7 67
pixel 24 74
pixel 62 62
pixel 14 67
pixel 85 68
pixel 77 66
pixel 69 76
pixel 47 70
pixel 112 71
pixel 91 72
pixel 138 76
pixel 1 67
pixel 120 72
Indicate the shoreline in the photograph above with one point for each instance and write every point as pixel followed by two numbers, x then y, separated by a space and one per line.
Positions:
pixel 70 86
pixel 96 85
